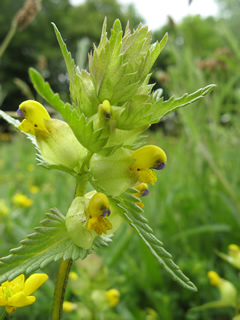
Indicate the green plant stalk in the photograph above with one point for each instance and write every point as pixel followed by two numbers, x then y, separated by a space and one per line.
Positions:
pixel 65 266
pixel 61 285
pixel 4 314
pixel 8 38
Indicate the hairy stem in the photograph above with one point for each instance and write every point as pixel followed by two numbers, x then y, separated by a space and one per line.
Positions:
pixel 61 285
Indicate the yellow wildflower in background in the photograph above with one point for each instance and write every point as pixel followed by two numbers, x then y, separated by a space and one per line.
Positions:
pixel 69 306
pixel 21 200
pixel 34 189
pixel 113 296
pixel 16 293
pixel 73 275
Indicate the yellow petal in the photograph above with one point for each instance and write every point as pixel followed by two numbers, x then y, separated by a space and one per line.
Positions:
pixel 34 114
pixel 148 157
pixel 20 300
pixel 98 204
pixel 147 176
pixel 34 282
pixel 19 280
pixel 214 278
pixel 113 296
pixel 3 301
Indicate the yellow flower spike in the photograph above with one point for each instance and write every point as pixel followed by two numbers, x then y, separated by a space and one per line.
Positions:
pixel 148 158
pixel 15 293
pixel 214 278
pixel 143 191
pixel 113 296
pixel 34 114
pixel 98 208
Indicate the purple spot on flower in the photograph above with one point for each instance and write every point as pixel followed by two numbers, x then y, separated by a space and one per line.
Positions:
pixel 20 113
pixel 160 166
pixel 108 115
pixel 145 193
pixel 106 213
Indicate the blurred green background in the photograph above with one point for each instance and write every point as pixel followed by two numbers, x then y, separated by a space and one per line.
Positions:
pixel 194 208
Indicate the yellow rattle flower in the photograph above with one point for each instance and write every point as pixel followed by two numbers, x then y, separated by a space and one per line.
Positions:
pixel 227 290
pixel 55 138
pixel 148 158
pixel 16 293
pixel 142 192
pixel 98 209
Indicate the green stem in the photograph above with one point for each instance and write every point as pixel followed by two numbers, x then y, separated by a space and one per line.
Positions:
pixel 81 185
pixel 8 38
pixel 65 266
pixel 3 315
pixel 61 285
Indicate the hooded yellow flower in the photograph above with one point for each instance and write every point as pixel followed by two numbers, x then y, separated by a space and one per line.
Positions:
pixel 148 158
pixel 54 137
pixel 16 293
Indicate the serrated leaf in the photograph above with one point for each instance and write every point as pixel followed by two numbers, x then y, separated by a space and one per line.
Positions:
pixel 44 89
pixel 140 226
pixel 70 64
pixel 85 132
pixel 162 108
pixel 105 63
pixel 50 242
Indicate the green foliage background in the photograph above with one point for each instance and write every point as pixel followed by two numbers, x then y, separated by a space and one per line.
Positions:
pixel 194 209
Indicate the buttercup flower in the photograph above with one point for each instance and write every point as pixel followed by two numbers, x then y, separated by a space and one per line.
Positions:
pixel 16 293
pixel 113 296
pixel 34 189
pixel 21 200
pixel 54 137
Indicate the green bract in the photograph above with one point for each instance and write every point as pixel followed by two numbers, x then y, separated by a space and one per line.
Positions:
pixel 99 144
